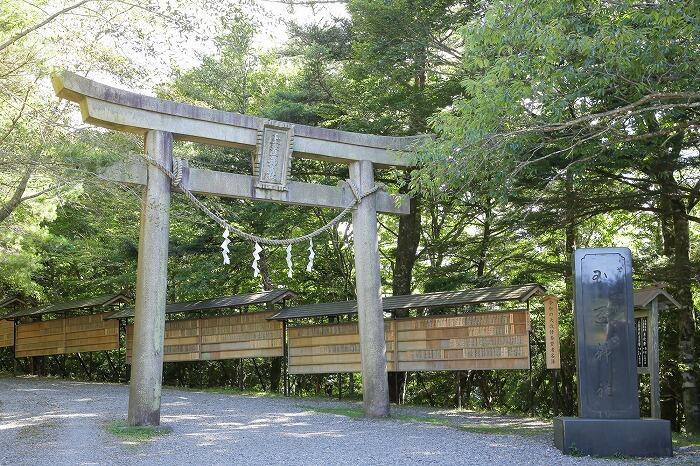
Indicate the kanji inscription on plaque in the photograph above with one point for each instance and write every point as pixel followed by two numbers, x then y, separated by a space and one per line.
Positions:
pixel 273 159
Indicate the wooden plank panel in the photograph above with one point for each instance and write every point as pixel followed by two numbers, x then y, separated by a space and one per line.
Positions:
pixel 7 333
pixel 331 348
pixel 68 335
pixel 439 334
pixel 247 335
pixel 330 340
pixel 323 330
pixel 193 340
pixel 466 364
pixel 242 345
pixel 325 349
pixel 476 319
pixel 469 342
pixel 181 357
pixel 488 340
pixel 41 352
pixel 175 349
pixel 258 353
pixel 551 332
pixel 78 336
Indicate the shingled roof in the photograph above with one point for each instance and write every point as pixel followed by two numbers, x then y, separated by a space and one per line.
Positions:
pixel 418 301
pixel 238 300
pixel 643 296
pixel 97 301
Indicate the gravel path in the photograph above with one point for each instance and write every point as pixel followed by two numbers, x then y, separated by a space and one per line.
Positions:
pixel 52 422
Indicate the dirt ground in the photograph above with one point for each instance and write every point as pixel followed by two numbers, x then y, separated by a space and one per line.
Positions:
pixel 48 421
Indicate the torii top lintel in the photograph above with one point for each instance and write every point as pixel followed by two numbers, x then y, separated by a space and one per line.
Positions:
pixel 118 109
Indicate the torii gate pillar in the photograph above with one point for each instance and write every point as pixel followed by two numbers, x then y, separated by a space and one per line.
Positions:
pixel 151 283
pixel 375 389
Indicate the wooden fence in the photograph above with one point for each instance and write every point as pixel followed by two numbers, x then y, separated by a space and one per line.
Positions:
pixel 483 340
pixel 7 333
pixel 69 335
pixel 229 337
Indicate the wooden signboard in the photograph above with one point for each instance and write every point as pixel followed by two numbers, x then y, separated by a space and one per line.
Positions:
pixel 484 340
pixel 228 337
pixel 70 335
pixel 551 329
pixel 331 348
pixel 7 333
pixel 641 330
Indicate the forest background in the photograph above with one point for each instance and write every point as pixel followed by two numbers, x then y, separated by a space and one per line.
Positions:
pixel 557 125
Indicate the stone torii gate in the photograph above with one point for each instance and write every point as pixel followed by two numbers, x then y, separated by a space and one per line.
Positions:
pixel 275 143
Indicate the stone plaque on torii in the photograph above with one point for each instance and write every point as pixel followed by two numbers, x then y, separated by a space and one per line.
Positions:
pixel 274 144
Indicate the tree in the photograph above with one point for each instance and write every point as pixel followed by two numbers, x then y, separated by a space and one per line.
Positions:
pixel 606 91
pixel 42 156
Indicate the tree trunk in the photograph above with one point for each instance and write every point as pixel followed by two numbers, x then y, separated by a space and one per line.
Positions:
pixel 672 198
pixel 405 258
pixel 485 239
pixel 666 226
pixel 567 370
pixel 406 248
pixel 686 322
pixel 275 374
pixel 276 366
pixel 10 206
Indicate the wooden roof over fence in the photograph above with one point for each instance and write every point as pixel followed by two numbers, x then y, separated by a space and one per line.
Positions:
pixel 97 301
pixel 10 301
pixel 643 296
pixel 238 300
pixel 418 301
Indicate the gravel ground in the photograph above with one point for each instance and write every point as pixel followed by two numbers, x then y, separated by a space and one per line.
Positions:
pixel 44 421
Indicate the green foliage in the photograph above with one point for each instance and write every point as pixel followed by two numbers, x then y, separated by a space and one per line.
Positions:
pixel 534 66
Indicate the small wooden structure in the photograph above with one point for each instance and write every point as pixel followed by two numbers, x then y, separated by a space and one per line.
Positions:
pixel 647 304
pixel 474 340
pixel 243 335
pixel 64 335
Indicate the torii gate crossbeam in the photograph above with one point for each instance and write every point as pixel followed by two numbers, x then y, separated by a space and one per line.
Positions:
pixel 161 122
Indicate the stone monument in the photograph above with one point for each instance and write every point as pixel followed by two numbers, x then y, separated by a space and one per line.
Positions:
pixel 608 422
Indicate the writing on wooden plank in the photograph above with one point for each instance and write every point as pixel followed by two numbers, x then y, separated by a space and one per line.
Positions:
pixel 330 348
pixel 70 335
pixel 551 332
pixel 7 333
pixel 227 337
pixel 484 340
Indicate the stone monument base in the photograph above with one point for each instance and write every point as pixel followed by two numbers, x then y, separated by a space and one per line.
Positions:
pixel 611 437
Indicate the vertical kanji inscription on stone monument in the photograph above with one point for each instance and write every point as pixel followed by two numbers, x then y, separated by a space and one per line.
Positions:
pixel 605 344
